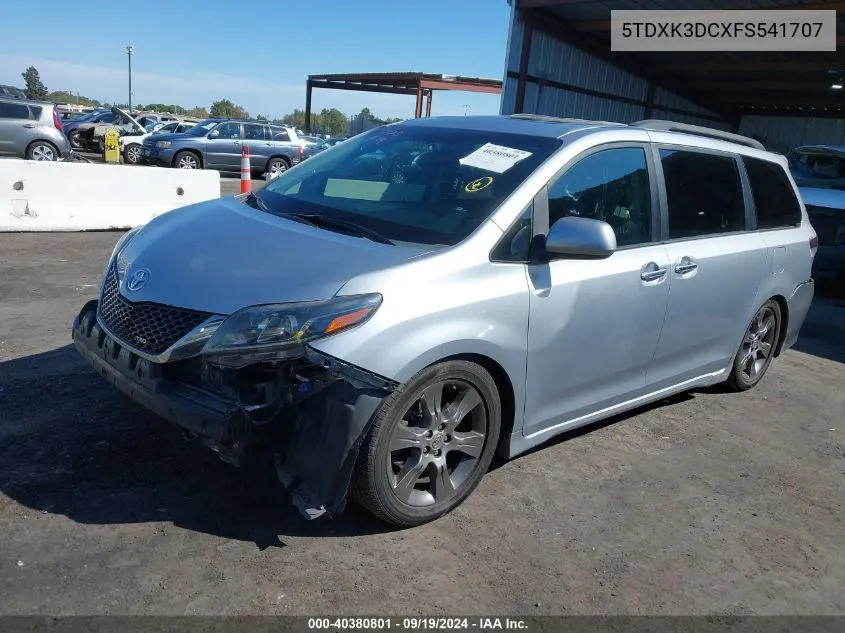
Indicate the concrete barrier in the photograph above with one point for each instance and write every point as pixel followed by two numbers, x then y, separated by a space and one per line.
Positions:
pixel 42 196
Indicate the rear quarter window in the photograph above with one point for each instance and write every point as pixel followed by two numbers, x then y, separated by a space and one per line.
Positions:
pixel 13 110
pixel 774 199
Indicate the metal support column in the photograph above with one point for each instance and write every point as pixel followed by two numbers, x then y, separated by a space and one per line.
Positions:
pixel 308 88
pixel 418 110
pixel 428 96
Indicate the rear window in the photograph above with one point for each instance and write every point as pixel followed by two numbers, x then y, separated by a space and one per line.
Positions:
pixel 410 183
pixel 774 198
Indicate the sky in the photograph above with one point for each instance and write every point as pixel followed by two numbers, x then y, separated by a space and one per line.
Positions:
pixel 258 55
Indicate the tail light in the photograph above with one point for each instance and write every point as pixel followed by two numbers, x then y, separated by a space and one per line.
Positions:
pixel 814 244
pixel 56 120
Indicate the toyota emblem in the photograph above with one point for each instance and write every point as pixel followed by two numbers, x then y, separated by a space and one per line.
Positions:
pixel 138 279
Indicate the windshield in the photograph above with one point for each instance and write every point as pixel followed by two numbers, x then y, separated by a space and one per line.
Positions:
pixel 818 167
pixel 202 128
pixel 411 183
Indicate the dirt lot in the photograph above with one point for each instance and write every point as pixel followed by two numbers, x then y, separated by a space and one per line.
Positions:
pixel 708 503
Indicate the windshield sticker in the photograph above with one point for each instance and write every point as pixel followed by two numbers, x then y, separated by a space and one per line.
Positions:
pixel 478 184
pixel 495 158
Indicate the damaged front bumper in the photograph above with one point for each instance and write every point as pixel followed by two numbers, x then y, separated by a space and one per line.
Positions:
pixel 312 411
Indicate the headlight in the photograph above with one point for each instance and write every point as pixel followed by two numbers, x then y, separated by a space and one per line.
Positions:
pixel 163 144
pixel 121 243
pixel 283 325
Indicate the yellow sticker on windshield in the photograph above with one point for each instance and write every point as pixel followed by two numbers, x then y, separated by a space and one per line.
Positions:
pixel 478 184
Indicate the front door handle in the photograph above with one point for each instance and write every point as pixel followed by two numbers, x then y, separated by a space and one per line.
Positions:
pixel 28 125
pixel 685 265
pixel 652 272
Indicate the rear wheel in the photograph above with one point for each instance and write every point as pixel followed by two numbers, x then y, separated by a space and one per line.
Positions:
pixel 430 444
pixel 43 151
pixel 132 154
pixel 276 166
pixel 187 160
pixel 757 348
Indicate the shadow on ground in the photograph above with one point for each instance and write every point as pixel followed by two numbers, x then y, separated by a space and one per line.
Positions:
pixel 72 445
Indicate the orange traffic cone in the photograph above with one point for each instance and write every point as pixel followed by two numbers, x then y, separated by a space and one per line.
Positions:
pixel 246 172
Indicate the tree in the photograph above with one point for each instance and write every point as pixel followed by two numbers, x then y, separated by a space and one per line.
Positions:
pixel 225 108
pixel 62 96
pixel 261 117
pixel 366 114
pixel 198 112
pixel 334 122
pixel 34 88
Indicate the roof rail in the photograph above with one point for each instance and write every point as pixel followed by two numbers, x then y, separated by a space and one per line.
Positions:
pixel 697 130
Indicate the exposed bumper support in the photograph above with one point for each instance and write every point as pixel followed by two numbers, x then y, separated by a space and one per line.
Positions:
pixel 317 431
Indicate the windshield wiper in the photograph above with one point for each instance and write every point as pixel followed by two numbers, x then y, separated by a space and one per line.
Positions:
pixel 330 223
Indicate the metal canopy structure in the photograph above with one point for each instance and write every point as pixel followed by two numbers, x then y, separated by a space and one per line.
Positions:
pixel 421 85
pixel 729 84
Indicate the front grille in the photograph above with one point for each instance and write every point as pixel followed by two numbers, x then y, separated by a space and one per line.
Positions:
pixel 825 223
pixel 148 327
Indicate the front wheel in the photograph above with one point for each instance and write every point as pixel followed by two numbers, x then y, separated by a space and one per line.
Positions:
pixel 186 160
pixel 757 348
pixel 430 444
pixel 74 139
pixel 132 154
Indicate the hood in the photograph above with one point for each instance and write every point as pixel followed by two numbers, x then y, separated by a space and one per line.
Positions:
pixel 223 255
pixel 822 197
pixel 132 124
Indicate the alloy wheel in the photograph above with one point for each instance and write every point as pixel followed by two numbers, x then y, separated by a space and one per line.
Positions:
pixel 758 343
pixel 437 444
pixel 43 152
pixel 188 162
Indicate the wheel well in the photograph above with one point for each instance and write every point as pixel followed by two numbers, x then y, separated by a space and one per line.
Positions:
pixel 784 321
pixel 503 384
pixel 189 151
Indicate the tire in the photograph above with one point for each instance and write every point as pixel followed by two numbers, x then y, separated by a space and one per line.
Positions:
pixel 756 350
pixel 404 439
pixel 73 138
pixel 277 165
pixel 183 159
pixel 132 154
pixel 42 151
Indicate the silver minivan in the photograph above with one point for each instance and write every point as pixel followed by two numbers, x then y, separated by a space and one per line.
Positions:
pixel 387 315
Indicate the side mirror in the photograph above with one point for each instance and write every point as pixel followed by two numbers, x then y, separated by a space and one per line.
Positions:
pixel 580 238
pixel 214 134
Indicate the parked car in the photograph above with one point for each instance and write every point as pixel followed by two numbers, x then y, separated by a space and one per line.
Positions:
pixel 73 127
pixel 217 144
pixel 316 148
pixel 131 147
pixel 31 129
pixel 91 136
pixel 819 172
pixel 523 277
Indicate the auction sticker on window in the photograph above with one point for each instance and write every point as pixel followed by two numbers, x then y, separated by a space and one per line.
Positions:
pixel 495 158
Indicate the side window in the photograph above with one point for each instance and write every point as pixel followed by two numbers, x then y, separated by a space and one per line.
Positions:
pixel 611 185
pixel 774 198
pixel 280 135
pixel 703 193
pixel 253 131
pixel 515 243
pixel 13 111
pixel 229 130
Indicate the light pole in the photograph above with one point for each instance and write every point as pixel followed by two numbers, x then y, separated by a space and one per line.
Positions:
pixel 129 51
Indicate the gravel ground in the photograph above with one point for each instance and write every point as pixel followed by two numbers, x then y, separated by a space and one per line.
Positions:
pixel 708 503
